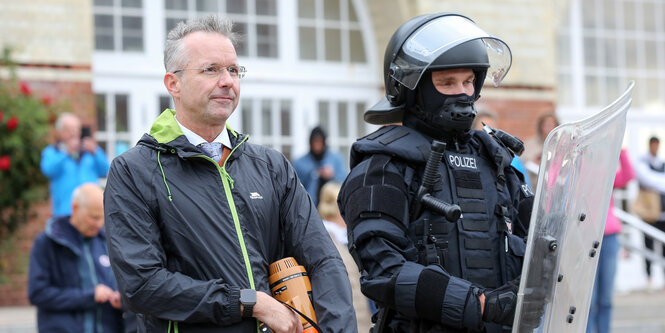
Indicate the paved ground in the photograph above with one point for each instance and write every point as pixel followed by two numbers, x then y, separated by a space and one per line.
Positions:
pixel 635 312
pixel 18 320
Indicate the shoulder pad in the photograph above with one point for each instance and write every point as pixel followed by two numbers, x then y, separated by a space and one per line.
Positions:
pixel 394 140
pixel 499 154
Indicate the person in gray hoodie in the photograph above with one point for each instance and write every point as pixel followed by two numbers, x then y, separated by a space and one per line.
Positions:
pixel 196 214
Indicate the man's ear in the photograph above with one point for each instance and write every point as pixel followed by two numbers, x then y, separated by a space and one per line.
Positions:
pixel 172 84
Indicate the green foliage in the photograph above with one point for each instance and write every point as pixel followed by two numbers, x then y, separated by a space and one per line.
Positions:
pixel 24 126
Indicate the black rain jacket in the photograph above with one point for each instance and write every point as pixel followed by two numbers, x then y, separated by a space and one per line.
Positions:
pixel 185 234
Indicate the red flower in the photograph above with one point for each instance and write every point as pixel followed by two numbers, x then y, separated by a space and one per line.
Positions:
pixel 12 123
pixel 1 115
pixel 5 163
pixel 47 100
pixel 25 89
pixel 51 118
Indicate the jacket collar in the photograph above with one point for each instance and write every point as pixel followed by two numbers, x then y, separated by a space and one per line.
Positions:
pixel 167 136
pixel 61 231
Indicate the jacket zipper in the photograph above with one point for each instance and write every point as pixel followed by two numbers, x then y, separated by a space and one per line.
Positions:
pixel 227 181
pixel 93 275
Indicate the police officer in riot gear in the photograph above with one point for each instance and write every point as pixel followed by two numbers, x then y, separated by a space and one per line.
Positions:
pixel 436 216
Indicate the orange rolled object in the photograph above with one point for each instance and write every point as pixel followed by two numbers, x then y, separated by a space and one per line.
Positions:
pixel 290 284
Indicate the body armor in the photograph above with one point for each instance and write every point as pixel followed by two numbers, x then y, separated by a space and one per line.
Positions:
pixel 485 246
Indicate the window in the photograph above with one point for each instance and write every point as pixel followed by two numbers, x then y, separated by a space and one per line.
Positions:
pixel 269 122
pixel 255 21
pixel 329 31
pixel 344 124
pixel 119 25
pixel 112 123
pixel 165 102
pixel 617 41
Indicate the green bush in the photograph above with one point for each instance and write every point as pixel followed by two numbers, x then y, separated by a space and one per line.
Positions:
pixel 24 126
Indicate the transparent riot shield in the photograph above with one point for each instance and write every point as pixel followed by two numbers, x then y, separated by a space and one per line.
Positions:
pixel 575 182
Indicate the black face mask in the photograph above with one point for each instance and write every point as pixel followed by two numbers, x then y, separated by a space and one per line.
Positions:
pixel 451 113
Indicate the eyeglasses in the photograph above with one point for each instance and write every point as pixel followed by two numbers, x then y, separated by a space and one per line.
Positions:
pixel 236 72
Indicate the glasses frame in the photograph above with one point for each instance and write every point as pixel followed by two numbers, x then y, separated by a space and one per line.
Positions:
pixel 242 71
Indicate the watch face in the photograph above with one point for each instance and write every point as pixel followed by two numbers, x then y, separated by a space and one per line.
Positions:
pixel 248 296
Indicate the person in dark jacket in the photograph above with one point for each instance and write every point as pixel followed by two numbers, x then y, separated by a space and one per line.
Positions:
pixel 70 279
pixel 319 165
pixel 436 215
pixel 196 214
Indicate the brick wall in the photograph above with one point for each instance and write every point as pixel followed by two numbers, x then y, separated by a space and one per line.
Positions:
pixel 14 260
pixel 518 117
pixel 73 96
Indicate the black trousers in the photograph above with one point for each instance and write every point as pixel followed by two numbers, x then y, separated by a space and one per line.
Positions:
pixel 648 242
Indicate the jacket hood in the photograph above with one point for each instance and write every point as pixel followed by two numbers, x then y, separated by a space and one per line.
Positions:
pixel 61 231
pixel 166 136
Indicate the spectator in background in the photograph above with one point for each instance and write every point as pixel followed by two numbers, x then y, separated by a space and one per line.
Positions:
pixel 490 118
pixel 73 160
pixel 334 223
pixel 319 165
pixel 533 147
pixel 70 279
pixel 600 312
pixel 650 172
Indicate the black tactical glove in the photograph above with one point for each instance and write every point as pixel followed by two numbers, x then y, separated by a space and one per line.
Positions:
pixel 500 303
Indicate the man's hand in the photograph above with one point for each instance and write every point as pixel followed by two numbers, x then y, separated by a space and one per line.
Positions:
pixel 481 299
pixel 89 144
pixel 500 303
pixel 326 172
pixel 103 293
pixel 116 300
pixel 276 315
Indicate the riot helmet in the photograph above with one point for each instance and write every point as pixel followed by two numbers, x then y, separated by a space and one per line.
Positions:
pixel 430 43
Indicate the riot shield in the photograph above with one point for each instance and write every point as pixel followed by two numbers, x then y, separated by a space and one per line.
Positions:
pixel 575 182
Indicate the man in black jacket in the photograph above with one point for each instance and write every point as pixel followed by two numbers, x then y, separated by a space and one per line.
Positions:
pixel 196 214
pixel 436 215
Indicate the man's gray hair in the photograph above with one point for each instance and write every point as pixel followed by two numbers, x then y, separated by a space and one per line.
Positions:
pixel 174 50
pixel 60 122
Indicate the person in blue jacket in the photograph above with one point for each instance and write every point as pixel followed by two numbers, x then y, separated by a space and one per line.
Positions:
pixel 319 165
pixel 73 160
pixel 70 280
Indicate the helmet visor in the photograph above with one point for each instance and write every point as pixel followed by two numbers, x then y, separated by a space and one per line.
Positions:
pixel 440 35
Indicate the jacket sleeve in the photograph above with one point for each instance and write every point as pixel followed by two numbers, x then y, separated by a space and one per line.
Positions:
pixel 42 293
pixel 392 275
pixel 101 162
pixel 340 170
pixel 309 243
pixel 648 177
pixel 139 261
pixel 626 173
pixel 52 161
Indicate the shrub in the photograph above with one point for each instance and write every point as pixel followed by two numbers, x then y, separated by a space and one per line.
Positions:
pixel 24 126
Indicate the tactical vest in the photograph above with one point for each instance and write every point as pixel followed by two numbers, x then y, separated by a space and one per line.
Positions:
pixel 479 247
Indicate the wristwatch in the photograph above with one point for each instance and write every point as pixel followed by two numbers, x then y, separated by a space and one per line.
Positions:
pixel 248 300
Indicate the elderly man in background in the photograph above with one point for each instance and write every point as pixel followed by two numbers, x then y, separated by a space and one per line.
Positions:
pixel 70 279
